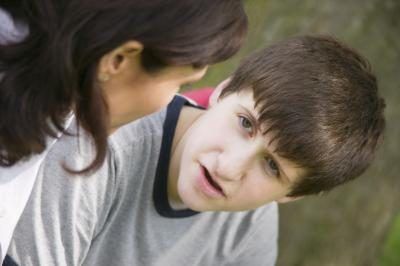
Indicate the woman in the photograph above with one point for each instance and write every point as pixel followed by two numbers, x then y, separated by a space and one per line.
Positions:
pixel 107 62
pixel 74 47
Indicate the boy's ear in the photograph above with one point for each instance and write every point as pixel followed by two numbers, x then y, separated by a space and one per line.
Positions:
pixel 117 60
pixel 217 91
pixel 288 199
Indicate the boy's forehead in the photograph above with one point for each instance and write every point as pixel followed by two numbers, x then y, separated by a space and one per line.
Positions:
pixel 244 98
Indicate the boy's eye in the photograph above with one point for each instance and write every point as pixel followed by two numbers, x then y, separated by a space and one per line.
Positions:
pixel 246 124
pixel 272 167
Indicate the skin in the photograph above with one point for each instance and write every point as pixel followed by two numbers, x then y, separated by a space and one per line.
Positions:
pixel 131 91
pixel 224 144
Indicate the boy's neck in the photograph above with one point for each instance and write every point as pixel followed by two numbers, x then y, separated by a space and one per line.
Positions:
pixel 186 119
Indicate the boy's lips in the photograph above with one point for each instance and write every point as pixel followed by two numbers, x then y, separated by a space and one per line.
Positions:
pixel 209 184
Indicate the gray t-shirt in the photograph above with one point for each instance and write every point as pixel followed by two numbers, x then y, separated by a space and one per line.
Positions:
pixel 111 218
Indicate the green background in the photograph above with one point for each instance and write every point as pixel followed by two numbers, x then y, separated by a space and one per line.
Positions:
pixel 355 224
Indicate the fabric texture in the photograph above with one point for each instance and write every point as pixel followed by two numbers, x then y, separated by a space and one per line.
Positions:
pixel 200 96
pixel 110 218
pixel 10 29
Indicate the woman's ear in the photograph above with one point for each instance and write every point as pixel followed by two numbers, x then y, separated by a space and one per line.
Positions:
pixel 217 91
pixel 117 60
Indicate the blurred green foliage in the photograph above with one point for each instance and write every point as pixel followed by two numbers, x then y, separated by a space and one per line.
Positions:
pixel 350 225
pixel 391 250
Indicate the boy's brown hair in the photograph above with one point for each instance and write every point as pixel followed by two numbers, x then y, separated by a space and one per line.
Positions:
pixel 320 100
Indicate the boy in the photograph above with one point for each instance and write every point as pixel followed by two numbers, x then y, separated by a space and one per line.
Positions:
pixel 192 187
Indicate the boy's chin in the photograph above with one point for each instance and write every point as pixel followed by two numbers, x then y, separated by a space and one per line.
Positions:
pixel 198 206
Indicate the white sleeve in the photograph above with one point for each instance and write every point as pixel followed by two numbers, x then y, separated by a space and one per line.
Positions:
pixel 10 30
pixel 65 211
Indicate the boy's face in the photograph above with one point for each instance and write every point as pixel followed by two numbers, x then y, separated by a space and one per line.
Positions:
pixel 228 165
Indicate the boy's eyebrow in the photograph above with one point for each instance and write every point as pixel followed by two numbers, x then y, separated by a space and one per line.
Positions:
pixel 283 175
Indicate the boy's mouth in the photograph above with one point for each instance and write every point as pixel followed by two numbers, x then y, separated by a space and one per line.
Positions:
pixel 211 181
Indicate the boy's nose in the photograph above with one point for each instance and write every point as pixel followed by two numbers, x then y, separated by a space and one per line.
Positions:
pixel 233 165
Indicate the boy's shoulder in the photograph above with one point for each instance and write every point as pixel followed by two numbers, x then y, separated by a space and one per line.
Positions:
pixel 249 232
pixel 138 130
